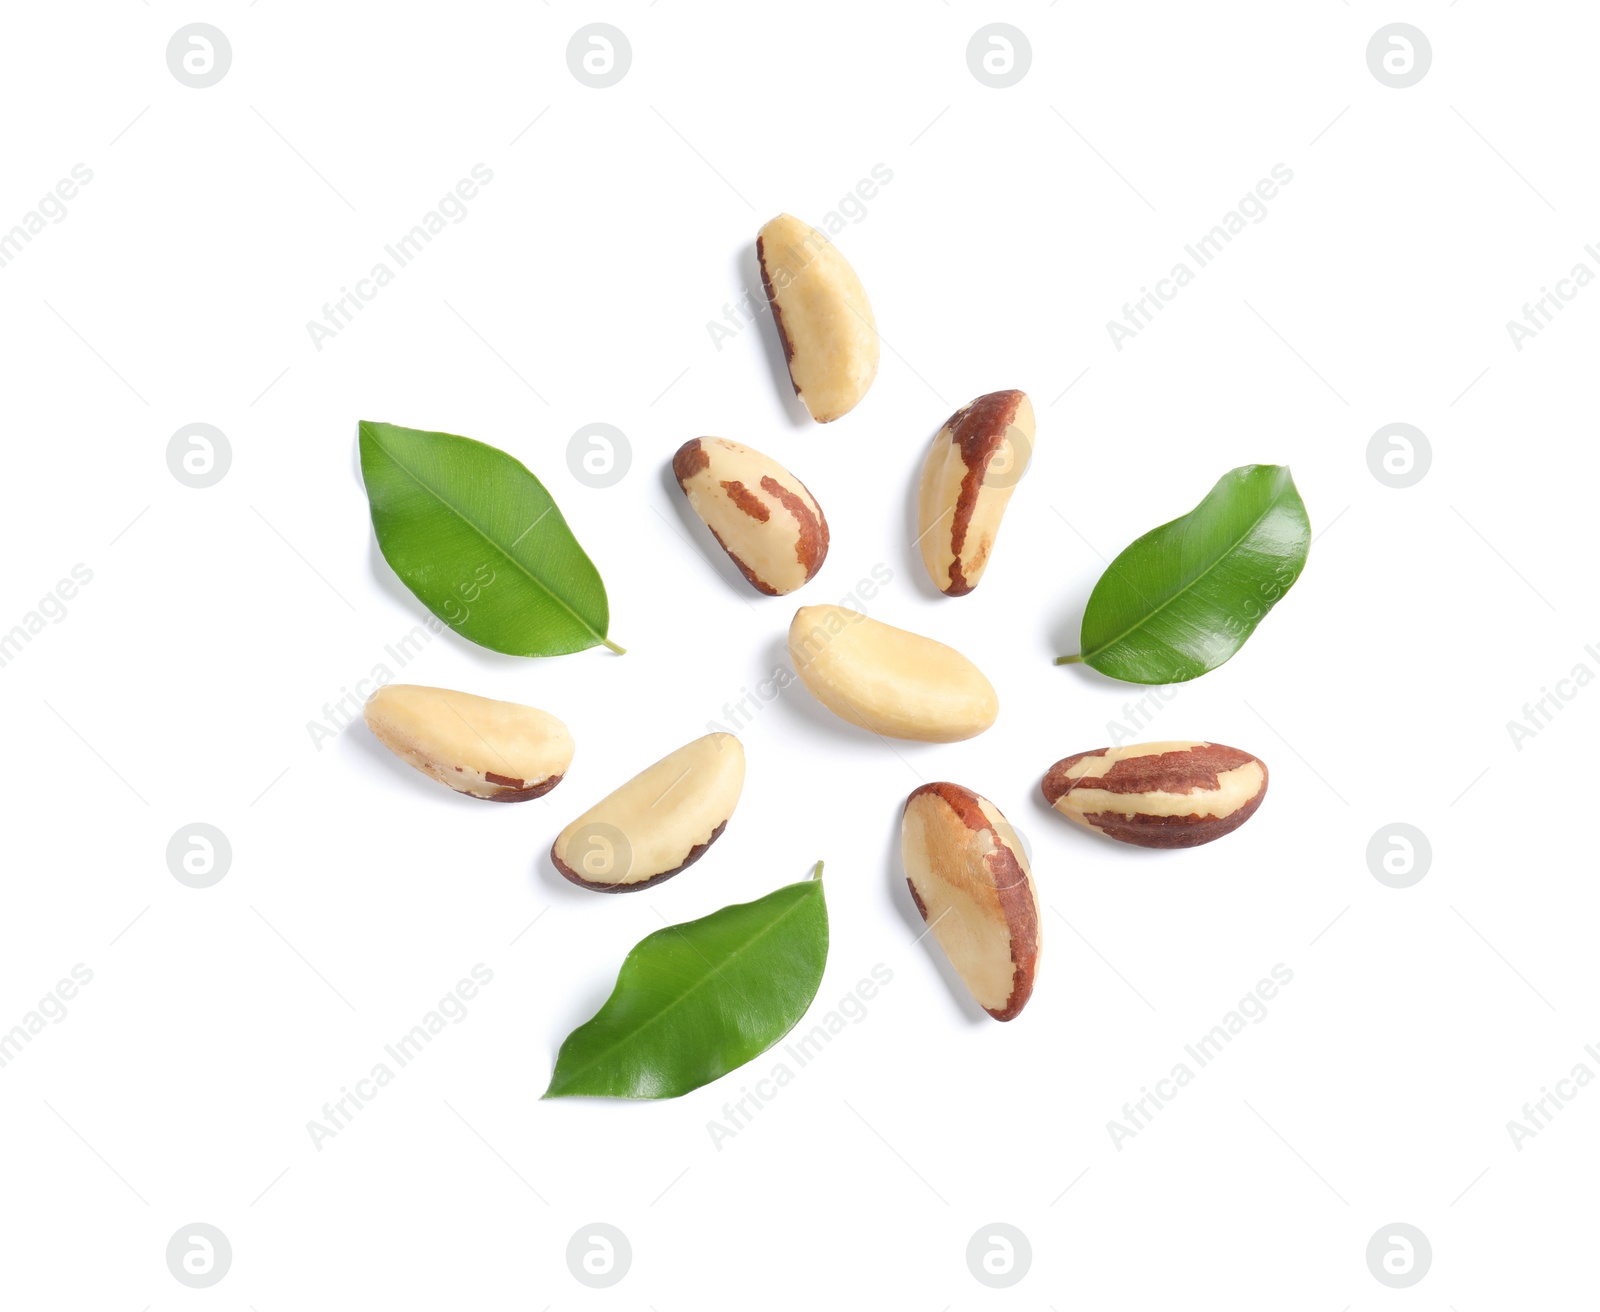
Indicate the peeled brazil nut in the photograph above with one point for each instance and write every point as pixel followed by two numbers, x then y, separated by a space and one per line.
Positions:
pixel 499 751
pixel 760 513
pixel 970 880
pixel 1159 794
pixel 974 463
pixel 822 315
pixel 658 823
pixel 888 680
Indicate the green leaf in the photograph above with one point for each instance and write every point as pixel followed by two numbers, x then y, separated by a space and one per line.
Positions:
pixel 478 539
pixel 1182 599
pixel 695 1001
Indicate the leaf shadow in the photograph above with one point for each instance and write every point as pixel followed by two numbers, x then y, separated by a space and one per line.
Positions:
pixel 747 270
pixel 390 584
pixel 899 894
pixel 1066 633
pixel 355 461
pixel 583 1002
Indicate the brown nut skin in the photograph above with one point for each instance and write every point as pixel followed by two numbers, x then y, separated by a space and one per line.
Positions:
pixel 594 886
pixel 970 880
pixel 972 467
pixel 1172 794
pixel 762 515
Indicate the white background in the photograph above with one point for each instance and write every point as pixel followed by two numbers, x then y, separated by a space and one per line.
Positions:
pixel 219 621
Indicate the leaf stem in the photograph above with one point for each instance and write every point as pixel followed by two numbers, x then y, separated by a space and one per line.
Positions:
pixel 621 651
pixel 817 873
pixel 1068 660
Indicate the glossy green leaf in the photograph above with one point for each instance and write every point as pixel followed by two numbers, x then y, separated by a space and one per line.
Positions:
pixel 478 539
pixel 1182 599
pixel 695 1001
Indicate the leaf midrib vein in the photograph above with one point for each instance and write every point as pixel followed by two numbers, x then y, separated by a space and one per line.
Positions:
pixel 654 1017
pixel 1183 591
pixel 504 551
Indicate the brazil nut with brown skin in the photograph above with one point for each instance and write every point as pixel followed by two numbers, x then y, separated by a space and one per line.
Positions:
pixel 1173 794
pixel 970 880
pixel 762 515
pixel 967 479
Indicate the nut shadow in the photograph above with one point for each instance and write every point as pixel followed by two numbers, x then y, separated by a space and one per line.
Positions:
pixel 423 791
pixel 747 269
pixel 692 529
pixel 359 739
pixel 914 567
pixel 899 895
pixel 797 704
pixel 1083 843
pixel 544 876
